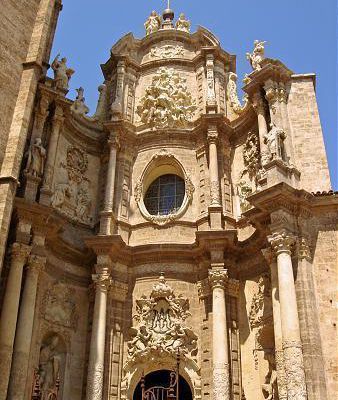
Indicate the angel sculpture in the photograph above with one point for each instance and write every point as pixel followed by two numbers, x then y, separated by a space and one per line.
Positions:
pixel 62 73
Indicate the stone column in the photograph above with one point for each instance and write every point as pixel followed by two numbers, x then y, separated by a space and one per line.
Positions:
pixel 277 325
pixel 281 243
pixel 24 329
pixel 213 167
pixel 46 190
pixel 107 213
pixel 97 343
pixel 19 254
pixel 258 104
pixel 220 346
pixel 309 323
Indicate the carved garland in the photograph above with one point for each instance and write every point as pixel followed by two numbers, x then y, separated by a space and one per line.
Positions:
pixel 163 158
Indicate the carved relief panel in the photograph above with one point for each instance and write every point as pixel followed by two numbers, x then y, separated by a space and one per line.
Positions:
pixel 75 183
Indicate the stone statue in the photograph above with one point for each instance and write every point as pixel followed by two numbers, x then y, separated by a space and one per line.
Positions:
pixel 183 24
pixel 153 23
pixel 79 107
pixel 269 388
pixel 257 56
pixel 233 95
pixel 62 73
pixel 36 159
pixel 49 369
pixel 274 141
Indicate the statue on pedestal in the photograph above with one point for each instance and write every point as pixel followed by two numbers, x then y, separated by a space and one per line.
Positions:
pixel 274 140
pixel 79 107
pixel 257 56
pixel 62 73
pixel 153 23
pixel 36 159
pixel 183 24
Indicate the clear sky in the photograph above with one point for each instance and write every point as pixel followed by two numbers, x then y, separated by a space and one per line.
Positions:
pixel 301 33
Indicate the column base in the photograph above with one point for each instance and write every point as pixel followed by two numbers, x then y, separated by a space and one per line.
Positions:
pixel 107 223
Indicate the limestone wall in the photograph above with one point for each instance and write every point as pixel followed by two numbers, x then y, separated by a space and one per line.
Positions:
pixel 325 268
pixel 307 136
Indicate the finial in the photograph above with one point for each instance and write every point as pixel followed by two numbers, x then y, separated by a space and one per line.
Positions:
pixel 168 17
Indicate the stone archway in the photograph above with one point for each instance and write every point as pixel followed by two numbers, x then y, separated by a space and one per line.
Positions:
pixel 161 378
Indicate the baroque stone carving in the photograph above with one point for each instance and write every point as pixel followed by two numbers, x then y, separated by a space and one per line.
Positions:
pixel 59 307
pixel 269 387
pixel 218 278
pixel 153 23
pixel 294 369
pixel 182 24
pixel 257 310
pixel 49 369
pixel 221 389
pixel 167 51
pixel 251 154
pixel 167 101
pixel 243 191
pixel 161 325
pixel 79 107
pixel 274 140
pixel 95 382
pixel 211 94
pixel 36 159
pixel 257 56
pixel 62 73
pixel 233 95
pixel 71 194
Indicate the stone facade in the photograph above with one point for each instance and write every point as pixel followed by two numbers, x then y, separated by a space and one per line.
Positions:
pixel 103 284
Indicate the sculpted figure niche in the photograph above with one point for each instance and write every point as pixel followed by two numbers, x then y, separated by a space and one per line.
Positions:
pixel 161 325
pixel 167 102
pixel 50 368
pixel 36 159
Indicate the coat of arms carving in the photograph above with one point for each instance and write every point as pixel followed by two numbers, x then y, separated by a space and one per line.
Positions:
pixel 161 325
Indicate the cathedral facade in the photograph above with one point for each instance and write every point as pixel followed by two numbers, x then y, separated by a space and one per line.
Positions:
pixel 180 243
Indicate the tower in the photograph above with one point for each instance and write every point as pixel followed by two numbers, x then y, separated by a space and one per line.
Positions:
pixel 174 243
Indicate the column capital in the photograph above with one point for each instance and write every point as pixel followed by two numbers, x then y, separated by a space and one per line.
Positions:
pixel 102 279
pixel 281 242
pixel 20 252
pixel 114 141
pixel 218 278
pixel 36 263
pixel 212 135
pixel 303 248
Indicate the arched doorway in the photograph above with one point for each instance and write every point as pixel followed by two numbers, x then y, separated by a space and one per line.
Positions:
pixel 161 379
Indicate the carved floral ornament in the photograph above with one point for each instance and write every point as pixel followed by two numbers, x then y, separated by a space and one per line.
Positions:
pixel 160 160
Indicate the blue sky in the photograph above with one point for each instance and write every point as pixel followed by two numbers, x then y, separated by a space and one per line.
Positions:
pixel 301 33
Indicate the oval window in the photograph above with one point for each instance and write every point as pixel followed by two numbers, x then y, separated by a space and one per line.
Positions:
pixel 165 195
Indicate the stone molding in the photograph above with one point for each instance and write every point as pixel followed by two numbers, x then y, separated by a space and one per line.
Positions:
pixel 118 291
